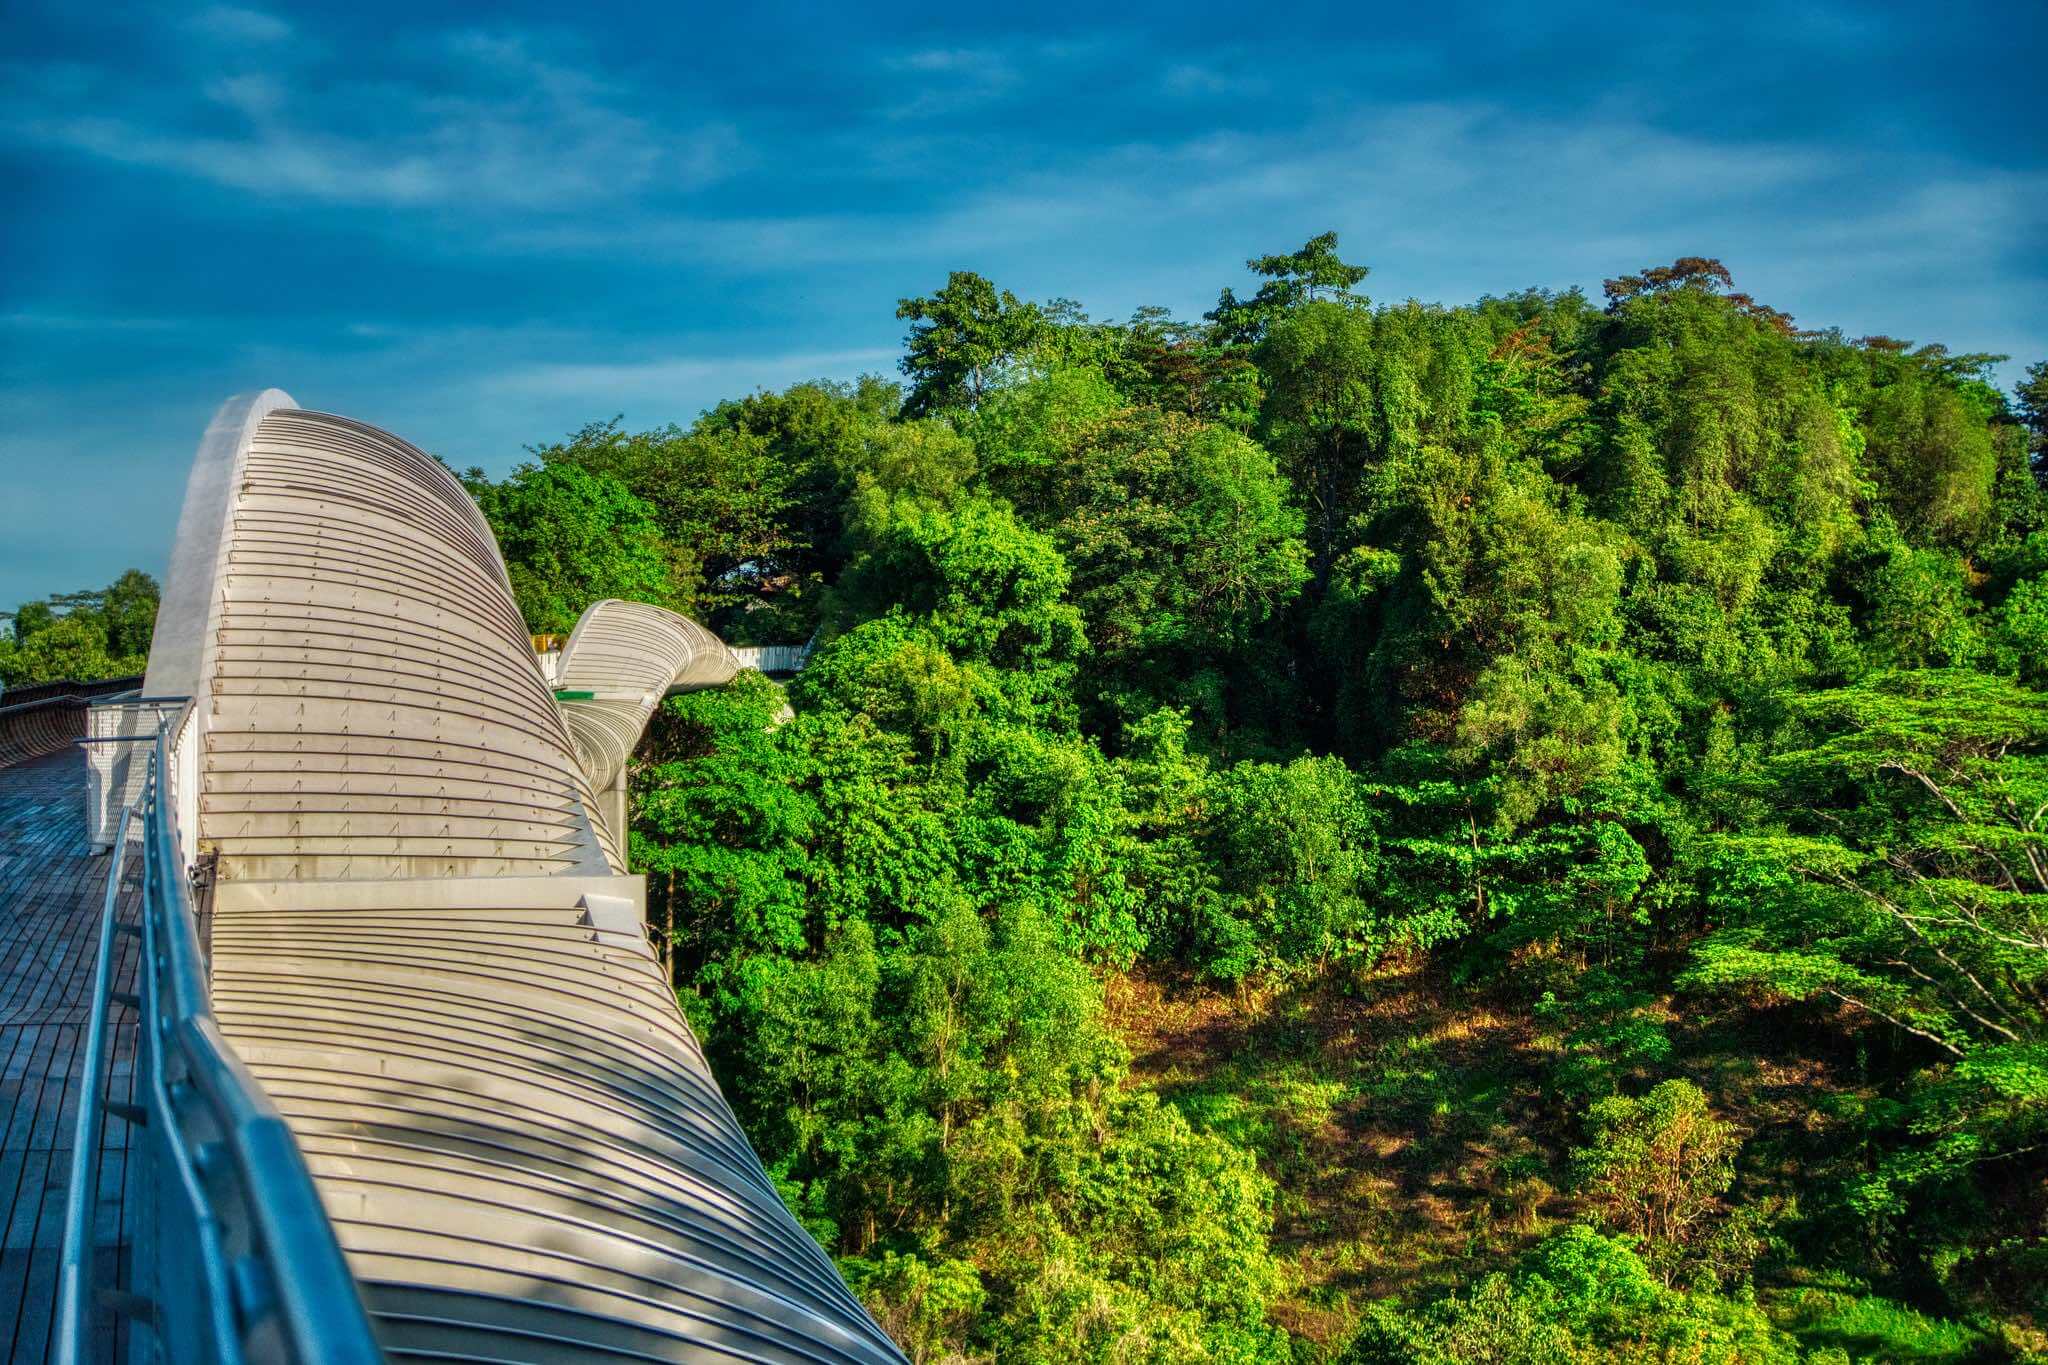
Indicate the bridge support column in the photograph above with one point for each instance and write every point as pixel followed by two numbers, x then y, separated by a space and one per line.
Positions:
pixel 615 810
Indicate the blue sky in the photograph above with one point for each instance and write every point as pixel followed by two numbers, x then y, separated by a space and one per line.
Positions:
pixel 482 227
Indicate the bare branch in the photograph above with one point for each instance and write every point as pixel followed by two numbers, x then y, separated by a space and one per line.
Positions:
pixel 1950 1048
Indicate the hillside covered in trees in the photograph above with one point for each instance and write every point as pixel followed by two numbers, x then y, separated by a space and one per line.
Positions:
pixel 1366 832
pixel 1381 833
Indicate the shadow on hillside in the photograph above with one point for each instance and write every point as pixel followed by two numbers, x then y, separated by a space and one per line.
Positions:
pixel 1403 1117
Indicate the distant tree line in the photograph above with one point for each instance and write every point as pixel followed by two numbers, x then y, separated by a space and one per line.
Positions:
pixel 80 636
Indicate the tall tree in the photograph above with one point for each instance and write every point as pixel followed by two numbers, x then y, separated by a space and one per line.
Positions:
pixel 2033 407
pixel 1180 535
pixel 720 495
pixel 1909 884
pixel 1314 271
pixel 958 337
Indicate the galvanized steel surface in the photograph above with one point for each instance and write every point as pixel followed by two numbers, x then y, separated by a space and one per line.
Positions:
pixel 116 766
pixel 75 1288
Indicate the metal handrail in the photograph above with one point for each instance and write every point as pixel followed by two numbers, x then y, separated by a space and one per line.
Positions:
pixel 81 1195
pixel 43 703
pixel 58 689
pixel 235 1257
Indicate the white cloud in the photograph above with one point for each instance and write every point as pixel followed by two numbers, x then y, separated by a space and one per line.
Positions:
pixel 256 96
pixel 1435 176
pixel 238 24
pixel 972 62
pixel 1446 200
pixel 270 162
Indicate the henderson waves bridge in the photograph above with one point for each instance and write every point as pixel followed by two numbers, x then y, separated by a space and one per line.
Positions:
pixel 355 1047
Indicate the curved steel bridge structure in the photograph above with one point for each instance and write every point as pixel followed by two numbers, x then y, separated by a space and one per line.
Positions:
pixel 413 1083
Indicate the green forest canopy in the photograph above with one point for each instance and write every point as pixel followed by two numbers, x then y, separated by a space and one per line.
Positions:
pixel 80 636
pixel 1643 689
pixel 1365 832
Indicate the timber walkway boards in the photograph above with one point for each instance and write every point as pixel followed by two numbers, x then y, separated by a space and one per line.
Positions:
pixel 51 891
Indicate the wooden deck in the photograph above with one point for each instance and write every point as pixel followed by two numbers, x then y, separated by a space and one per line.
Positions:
pixel 51 891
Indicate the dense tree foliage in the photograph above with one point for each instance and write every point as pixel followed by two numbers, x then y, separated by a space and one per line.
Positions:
pixel 571 537
pixel 81 636
pixel 1651 681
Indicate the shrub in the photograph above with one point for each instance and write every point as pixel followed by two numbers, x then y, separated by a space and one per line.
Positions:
pixel 1658 1164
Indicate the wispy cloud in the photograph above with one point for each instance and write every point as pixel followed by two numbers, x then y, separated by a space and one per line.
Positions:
pixel 1437 176
pixel 239 24
pixel 253 95
pixel 483 122
pixel 31 321
pixel 974 63
pixel 1193 80
pixel 949 81
pixel 662 379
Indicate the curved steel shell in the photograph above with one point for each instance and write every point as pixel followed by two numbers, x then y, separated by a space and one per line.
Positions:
pixel 374 710
pixel 521 1145
pixel 621 659
pixel 421 948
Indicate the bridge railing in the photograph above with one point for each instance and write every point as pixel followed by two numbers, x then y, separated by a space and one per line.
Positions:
pixel 233 1256
pixel 115 765
pixel 67 687
pixel 43 718
pixel 772 658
